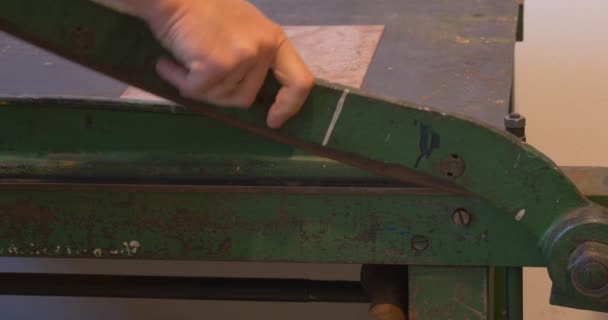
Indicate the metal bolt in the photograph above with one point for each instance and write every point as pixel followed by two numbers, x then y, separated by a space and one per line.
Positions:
pixel 453 166
pixel 588 268
pixel 592 275
pixel 515 123
pixel 420 243
pixel 461 217
pixel 515 120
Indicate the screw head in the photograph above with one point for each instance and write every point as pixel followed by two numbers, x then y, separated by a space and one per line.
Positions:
pixel 420 243
pixel 461 217
pixel 453 166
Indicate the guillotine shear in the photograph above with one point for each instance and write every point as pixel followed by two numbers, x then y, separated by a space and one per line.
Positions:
pixel 452 204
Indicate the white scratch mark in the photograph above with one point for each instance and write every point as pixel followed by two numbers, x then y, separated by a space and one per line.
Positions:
pixel 97 252
pixel 388 137
pixel 134 244
pixel 480 315
pixel 127 248
pixel 520 214
pixel 336 116
pixel 517 161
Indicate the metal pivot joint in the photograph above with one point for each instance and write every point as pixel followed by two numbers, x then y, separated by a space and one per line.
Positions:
pixel 588 268
pixel 578 259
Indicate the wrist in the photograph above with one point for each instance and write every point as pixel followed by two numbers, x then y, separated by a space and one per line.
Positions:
pixel 155 10
pixel 148 10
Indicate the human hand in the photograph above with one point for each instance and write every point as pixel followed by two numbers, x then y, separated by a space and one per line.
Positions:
pixel 225 49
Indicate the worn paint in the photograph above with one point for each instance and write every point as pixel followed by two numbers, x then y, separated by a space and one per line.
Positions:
pixel 310 225
pixel 39 250
pixel 388 137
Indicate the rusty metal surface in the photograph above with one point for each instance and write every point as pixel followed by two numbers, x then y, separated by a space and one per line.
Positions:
pixel 243 226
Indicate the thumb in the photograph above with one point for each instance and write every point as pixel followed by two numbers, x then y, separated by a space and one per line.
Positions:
pixel 296 82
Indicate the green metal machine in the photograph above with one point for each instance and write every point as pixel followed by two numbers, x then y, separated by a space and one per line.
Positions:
pixel 442 211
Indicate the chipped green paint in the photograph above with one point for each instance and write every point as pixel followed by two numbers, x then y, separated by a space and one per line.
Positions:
pixel 243 225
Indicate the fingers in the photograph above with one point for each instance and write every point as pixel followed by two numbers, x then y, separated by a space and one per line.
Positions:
pixel 225 92
pixel 172 72
pixel 236 81
pixel 213 80
pixel 193 82
pixel 296 80
pixel 237 89
pixel 245 94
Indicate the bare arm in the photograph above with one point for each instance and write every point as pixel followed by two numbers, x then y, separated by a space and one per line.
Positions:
pixel 225 49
